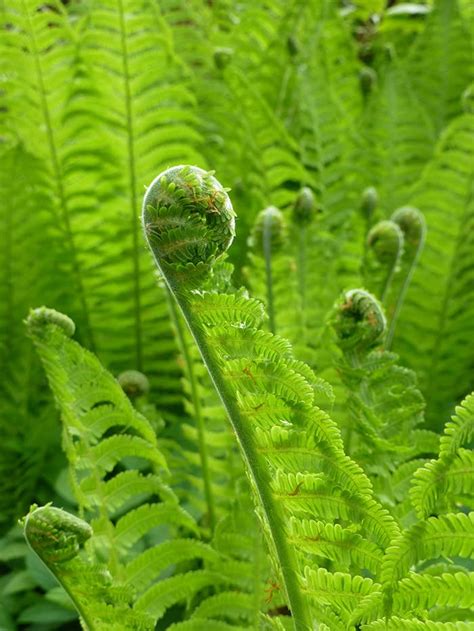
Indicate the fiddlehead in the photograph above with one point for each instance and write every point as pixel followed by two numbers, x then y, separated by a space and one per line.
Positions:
pixel 304 208
pixel 191 300
pixel 55 535
pixel 268 237
pixel 383 404
pixel 134 383
pixel 58 537
pixel 41 316
pixel 359 321
pixel 413 226
pixel 189 222
pixel 368 203
pixel 385 241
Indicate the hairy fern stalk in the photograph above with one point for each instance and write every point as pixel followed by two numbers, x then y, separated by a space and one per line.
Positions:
pixel 267 424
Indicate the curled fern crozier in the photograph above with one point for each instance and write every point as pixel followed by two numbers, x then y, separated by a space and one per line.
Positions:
pixel 359 321
pixel 188 220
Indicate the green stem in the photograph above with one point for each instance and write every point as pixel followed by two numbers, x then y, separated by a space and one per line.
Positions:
pixel 196 403
pixel 388 280
pixel 267 253
pixel 260 477
pixel 133 188
pixel 401 295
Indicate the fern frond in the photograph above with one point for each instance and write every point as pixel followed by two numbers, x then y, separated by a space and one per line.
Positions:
pixel 303 438
pixel 443 276
pixel 448 535
pixel 451 476
pixel 415 624
pixel 340 591
pixel 421 592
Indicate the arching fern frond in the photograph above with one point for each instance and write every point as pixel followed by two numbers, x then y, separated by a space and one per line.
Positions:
pixel 118 477
pixel 443 277
pixel 269 401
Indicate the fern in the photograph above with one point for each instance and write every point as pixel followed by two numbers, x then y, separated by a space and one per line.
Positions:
pixel 443 333
pixel 117 475
pixel 255 390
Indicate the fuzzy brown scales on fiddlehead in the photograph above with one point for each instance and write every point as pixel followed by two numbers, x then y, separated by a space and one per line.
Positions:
pixel 42 316
pixel 359 321
pixel 386 241
pixel 55 535
pixel 188 220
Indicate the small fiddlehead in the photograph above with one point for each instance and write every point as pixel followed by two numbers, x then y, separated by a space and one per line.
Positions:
pixel 413 226
pixel 58 537
pixel 268 237
pixel 134 383
pixel 385 240
pixel 303 215
pixel 39 317
pixel 359 321
pixel 55 535
pixel 368 203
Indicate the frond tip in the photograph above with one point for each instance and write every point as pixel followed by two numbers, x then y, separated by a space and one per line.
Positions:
pixel 304 209
pixel 188 218
pixel 41 316
pixel 359 321
pixel 134 383
pixel 55 535
pixel 386 241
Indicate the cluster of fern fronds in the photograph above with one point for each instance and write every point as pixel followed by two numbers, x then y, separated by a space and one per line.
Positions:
pixel 335 334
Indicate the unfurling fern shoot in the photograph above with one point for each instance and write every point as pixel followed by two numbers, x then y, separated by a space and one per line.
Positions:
pixel 385 241
pixel 189 222
pixel 412 224
pixel 303 214
pixel 268 236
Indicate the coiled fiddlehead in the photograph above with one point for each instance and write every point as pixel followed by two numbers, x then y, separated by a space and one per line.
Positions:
pixel 369 202
pixel 385 240
pixel 268 237
pixel 189 222
pixel 413 226
pixel 359 321
pixel 40 316
pixel 55 535
pixel 134 383
pixel 304 208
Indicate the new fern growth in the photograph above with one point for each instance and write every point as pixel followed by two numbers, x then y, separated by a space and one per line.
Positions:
pixel 291 448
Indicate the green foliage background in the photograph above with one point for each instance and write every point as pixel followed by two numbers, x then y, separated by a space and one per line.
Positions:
pixel 96 98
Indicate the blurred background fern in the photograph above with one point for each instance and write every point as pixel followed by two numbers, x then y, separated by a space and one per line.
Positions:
pixel 97 97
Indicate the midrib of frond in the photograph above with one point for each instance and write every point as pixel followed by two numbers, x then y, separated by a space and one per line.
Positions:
pixel 196 403
pixel 285 554
pixel 443 318
pixel 66 222
pixel 132 187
